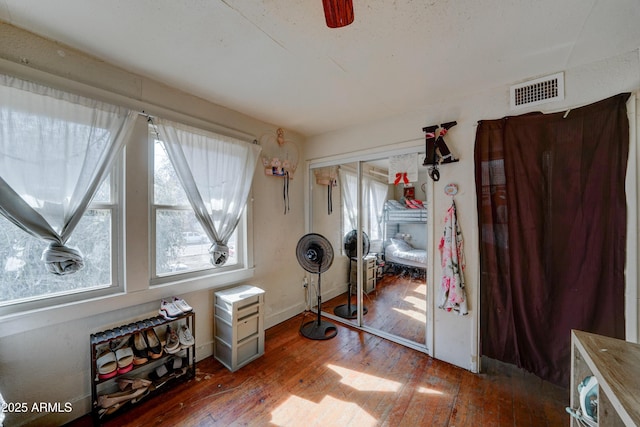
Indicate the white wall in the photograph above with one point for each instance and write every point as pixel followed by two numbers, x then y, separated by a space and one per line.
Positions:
pixel 455 338
pixel 44 356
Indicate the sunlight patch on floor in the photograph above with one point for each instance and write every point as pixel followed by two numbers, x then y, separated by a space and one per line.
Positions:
pixel 416 315
pixel 421 289
pixel 416 302
pixel 426 390
pixel 365 382
pixel 296 411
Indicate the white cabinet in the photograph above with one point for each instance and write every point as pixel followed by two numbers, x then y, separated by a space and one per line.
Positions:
pixel 616 365
pixel 238 325
pixel 368 274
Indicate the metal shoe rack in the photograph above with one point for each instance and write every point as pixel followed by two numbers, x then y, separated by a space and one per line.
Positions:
pixel 100 339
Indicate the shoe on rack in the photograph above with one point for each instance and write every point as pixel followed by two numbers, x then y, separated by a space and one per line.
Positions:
pixel 109 400
pixel 153 343
pixel 169 310
pixel 185 337
pixel 182 305
pixel 140 349
pixel 178 365
pixel 125 359
pixel 174 368
pixel 132 383
pixel 110 410
pixel 124 355
pixel 107 364
pixel 172 342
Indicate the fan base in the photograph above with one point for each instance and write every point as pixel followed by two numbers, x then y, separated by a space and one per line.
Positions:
pixel 319 330
pixel 348 311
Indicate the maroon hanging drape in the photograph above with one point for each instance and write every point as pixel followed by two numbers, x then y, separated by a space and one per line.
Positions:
pixel 552 223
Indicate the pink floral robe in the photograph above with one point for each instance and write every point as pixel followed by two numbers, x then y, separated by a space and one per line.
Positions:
pixel 452 294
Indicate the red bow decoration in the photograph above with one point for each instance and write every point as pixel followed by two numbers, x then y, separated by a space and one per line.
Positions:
pixel 401 176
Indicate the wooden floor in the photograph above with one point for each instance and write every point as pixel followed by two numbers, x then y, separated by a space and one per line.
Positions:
pixel 398 305
pixel 354 379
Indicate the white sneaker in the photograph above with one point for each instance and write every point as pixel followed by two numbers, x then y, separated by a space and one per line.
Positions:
pixel 185 337
pixel 169 311
pixel 172 342
pixel 182 305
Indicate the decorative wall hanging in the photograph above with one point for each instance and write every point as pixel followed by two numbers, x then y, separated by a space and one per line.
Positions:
pixel 437 152
pixel 327 177
pixel 280 159
pixel 451 189
pixel 403 169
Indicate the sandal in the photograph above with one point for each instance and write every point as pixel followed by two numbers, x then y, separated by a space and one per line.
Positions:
pixel 132 383
pixel 110 410
pixel 109 400
pixel 107 365
pixel 125 359
pixel 143 395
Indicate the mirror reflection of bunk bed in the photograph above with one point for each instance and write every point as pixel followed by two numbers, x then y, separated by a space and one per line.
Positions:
pixel 404 241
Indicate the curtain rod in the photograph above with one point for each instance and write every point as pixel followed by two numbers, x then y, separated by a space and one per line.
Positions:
pixel 59 82
pixel 150 118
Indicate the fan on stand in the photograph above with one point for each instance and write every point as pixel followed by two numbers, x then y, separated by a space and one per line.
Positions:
pixel 348 310
pixel 315 254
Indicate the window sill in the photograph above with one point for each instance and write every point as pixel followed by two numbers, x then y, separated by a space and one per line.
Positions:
pixel 29 320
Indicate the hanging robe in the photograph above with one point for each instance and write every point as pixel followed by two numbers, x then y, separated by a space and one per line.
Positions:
pixel 452 294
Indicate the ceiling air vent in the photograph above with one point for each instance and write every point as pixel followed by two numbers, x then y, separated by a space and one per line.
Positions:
pixel 538 91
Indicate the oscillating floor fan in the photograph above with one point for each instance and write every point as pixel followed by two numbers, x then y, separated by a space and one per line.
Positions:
pixel 315 254
pixel 348 310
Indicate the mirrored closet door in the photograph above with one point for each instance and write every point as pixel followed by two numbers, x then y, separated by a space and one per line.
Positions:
pixel 377 225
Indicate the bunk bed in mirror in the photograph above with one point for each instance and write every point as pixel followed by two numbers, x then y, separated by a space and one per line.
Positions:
pixel 404 247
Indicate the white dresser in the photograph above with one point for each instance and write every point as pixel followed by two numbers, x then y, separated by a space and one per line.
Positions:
pixel 368 274
pixel 238 325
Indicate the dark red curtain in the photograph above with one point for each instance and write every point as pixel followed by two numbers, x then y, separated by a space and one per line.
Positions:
pixel 552 219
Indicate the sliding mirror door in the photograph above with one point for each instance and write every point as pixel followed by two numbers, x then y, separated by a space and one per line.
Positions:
pixel 396 220
pixel 327 211
pixel 378 278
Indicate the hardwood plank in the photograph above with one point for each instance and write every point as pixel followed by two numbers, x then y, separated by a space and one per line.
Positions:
pixel 354 379
pixel 397 305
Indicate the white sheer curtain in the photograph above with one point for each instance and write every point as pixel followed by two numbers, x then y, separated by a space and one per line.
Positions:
pixel 349 191
pixel 216 172
pixel 55 149
pixel 375 194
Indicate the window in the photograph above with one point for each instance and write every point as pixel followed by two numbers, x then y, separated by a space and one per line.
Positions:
pixel 25 279
pixel 63 181
pixel 181 244
pixel 59 194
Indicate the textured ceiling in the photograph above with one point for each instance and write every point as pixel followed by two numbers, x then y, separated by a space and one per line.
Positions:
pixel 277 61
